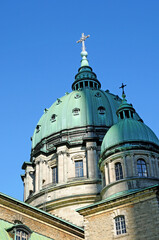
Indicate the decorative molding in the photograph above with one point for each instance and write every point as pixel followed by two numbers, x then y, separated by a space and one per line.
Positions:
pixel 61 152
pixel 78 157
pixel 91 148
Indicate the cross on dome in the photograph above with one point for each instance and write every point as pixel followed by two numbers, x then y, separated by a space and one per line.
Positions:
pixel 123 93
pixel 82 40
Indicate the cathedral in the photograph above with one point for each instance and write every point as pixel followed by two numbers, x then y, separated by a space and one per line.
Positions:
pixel 93 172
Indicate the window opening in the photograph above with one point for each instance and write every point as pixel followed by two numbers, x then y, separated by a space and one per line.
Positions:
pixel 118 171
pixel 54 175
pixel 21 235
pixel 141 168
pixel 81 84
pixel 79 168
pixel 121 115
pixel 126 113
pixel 101 110
pixel 77 96
pixel 98 95
pixel 76 111
pixel 58 101
pixel 38 128
pixel 53 117
pixel 86 84
pixel 131 114
pixel 120 225
pixel 91 84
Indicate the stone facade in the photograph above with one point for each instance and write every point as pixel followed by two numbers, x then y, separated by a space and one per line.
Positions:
pixel 141 212
pixel 131 179
pixel 70 191
pixel 82 130
pixel 38 221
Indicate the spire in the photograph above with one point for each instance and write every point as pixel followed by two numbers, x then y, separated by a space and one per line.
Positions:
pixel 84 61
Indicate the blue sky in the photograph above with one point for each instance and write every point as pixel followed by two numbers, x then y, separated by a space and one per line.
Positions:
pixel 39 58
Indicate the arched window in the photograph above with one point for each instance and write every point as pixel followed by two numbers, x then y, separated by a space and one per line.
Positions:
pixel 141 168
pixel 120 225
pixel 118 171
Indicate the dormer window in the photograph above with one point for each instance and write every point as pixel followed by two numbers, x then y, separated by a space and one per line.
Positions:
pixel 97 95
pixel 76 111
pixel 21 235
pixel 19 232
pixel 77 96
pixel 38 128
pixel 53 118
pixel 101 110
pixel 58 101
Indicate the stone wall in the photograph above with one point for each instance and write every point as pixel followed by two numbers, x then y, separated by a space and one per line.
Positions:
pixel 38 221
pixel 141 217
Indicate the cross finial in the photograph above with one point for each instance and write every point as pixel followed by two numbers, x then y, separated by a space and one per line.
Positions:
pixel 82 40
pixel 123 93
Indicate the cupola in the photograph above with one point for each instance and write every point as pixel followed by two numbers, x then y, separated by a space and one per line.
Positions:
pixel 129 151
pixel 125 110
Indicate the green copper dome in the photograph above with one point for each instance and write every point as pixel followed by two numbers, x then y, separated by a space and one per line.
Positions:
pixel 77 109
pixel 128 130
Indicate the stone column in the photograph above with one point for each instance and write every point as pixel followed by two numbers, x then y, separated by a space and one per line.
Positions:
pixel 65 166
pixel 24 188
pixel 37 177
pixel 125 169
pixel 106 174
pixel 157 168
pixel 60 167
pixel 92 160
pixel 150 167
pixel 40 174
pixel 134 167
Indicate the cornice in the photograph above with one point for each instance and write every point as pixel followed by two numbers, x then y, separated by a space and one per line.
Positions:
pixel 23 208
pixel 127 199
pixel 51 188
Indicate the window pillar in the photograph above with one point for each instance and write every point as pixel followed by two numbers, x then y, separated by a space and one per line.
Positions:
pixel 37 177
pixel 106 174
pixel 92 160
pixel 60 167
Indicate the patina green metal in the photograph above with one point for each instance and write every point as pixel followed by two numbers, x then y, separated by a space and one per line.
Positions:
pixel 85 103
pixel 128 130
pixel 4 234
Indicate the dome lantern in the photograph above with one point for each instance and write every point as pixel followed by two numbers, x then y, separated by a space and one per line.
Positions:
pixel 85 78
pixel 125 110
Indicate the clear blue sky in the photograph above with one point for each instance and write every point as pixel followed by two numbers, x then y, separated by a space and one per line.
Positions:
pixel 39 58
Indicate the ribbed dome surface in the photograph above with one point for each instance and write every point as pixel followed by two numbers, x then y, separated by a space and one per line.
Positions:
pixel 77 109
pixel 128 130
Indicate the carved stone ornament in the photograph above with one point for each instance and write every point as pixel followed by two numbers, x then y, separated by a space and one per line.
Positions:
pixel 91 148
pixel 77 157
